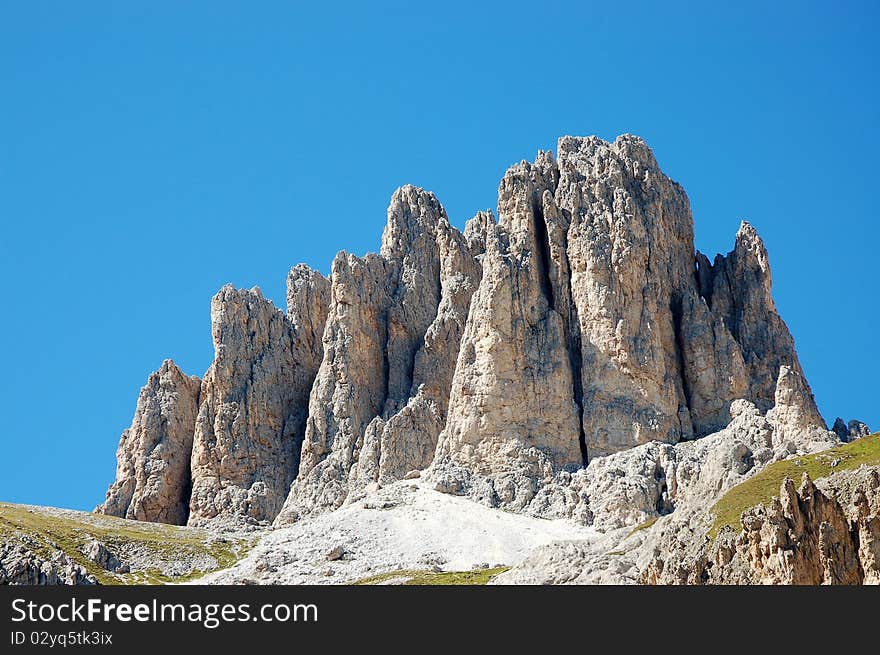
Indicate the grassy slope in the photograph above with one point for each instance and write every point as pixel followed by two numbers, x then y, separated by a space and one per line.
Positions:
pixel 52 530
pixel 475 577
pixel 765 485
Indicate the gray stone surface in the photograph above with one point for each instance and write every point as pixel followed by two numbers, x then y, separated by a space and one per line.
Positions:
pixel 153 459
pixel 252 414
pixel 22 566
pixel 390 345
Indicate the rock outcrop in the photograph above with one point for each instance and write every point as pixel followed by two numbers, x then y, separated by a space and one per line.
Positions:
pixel 391 339
pixel 805 536
pixel 850 431
pixel 581 326
pixel 252 415
pixel 98 552
pixel 21 566
pixel 794 415
pixel 654 479
pixel 597 327
pixel 153 458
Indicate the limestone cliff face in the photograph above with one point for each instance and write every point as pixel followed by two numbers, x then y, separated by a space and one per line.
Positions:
pixel 408 439
pixel 580 324
pixel 252 415
pixel 390 343
pixel 308 294
pixel 714 372
pixel 512 403
pixel 737 288
pixel 631 254
pixel 152 471
pixel 597 327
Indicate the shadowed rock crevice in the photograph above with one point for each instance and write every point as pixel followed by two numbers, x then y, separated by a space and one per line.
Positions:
pixel 675 309
pixel 542 254
pixel 561 301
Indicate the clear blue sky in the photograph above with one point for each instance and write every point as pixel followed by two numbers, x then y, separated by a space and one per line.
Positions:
pixel 152 151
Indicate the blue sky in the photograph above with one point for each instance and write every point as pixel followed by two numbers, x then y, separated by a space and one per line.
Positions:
pixel 151 152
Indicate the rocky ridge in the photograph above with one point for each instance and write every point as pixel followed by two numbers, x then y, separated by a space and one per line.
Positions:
pixel 823 532
pixel 49 546
pixel 579 326
pixel 849 431
pixel 20 565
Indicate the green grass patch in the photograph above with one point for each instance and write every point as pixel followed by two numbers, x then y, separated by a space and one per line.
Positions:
pixel 44 531
pixel 765 485
pixel 644 525
pixel 416 577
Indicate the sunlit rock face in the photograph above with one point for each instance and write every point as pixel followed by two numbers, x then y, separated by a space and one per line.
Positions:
pixel 579 324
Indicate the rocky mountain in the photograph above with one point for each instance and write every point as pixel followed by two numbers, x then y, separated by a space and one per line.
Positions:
pixel 575 362
pixel 579 324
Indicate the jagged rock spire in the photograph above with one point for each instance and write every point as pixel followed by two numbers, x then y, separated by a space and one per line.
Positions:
pixel 374 411
pixel 512 405
pixel 251 420
pixel 794 415
pixel 737 288
pixel 152 471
